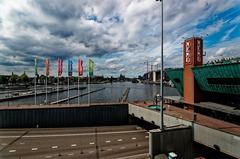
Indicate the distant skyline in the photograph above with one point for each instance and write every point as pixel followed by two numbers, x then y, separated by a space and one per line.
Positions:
pixel 119 35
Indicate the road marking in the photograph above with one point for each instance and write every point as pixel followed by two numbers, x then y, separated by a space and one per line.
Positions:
pixel 108 141
pixel 70 154
pixel 3 144
pixel 54 147
pixel 144 154
pixel 12 151
pixel 91 143
pixel 48 156
pixel 122 148
pixel 34 149
pixel 74 145
pixel 79 134
pixel 146 136
pixel 134 138
pixel 109 149
pixel 119 140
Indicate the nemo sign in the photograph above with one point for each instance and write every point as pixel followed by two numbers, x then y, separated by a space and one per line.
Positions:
pixel 193 52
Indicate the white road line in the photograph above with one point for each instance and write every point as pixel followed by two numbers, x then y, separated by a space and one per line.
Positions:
pixel 48 156
pixel 119 140
pixel 54 147
pixel 122 148
pixel 70 154
pixel 108 141
pixel 12 151
pixel 126 157
pixel 3 144
pixel 78 134
pixel 74 145
pixel 109 149
pixel 134 138
pixel 91 143
pixel 34 149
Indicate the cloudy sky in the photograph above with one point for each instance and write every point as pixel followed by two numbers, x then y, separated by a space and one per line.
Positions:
pixel 119 35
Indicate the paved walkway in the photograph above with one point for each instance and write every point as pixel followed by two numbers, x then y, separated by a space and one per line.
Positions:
pixel 200 119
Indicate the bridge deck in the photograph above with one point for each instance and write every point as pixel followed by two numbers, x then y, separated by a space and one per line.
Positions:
pixel 208 131
pixel 208 105
pixel 201 119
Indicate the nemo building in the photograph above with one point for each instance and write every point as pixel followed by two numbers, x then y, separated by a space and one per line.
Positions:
pixel 214 85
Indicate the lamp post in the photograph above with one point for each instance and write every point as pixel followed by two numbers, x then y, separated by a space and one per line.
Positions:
pixel 161 81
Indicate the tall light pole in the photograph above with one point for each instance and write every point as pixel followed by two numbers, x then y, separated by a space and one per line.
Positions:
pixel 146 62
pixel 161 81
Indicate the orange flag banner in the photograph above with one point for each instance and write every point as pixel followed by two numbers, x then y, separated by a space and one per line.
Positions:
pixel 47 65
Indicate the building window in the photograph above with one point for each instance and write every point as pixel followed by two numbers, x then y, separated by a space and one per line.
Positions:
pixel 224 81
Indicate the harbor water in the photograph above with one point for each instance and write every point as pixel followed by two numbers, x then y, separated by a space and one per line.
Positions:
pixel 112 93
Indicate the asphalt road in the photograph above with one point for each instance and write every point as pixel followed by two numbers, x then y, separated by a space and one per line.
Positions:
pixel 119 142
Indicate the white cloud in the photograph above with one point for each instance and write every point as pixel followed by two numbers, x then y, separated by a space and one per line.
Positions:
pixel 120 34
pixel 224 49
pixel 226 36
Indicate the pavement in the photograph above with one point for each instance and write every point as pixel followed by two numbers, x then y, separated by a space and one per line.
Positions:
pixel 200 119
pixel 119 142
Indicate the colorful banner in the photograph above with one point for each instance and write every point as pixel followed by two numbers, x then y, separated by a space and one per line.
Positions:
pixel 36 67
pixel 90 68
pixel 80 67
pixel 60 63
pixel 47 65
pixel 70 68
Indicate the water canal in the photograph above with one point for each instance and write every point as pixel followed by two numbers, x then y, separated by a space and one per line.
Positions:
pixel 111 93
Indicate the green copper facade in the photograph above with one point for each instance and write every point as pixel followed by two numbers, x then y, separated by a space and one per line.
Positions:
pixel 219 78
pixel 176 76
pixel 224 78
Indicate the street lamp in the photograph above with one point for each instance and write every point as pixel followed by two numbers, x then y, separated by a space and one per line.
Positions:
pixel 161 81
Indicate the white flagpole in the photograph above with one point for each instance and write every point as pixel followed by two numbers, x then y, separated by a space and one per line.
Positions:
pixel 57 89
pixel 35 83
pixel 78 91
pixel 89 89
pixel 68 90
pixel 46 90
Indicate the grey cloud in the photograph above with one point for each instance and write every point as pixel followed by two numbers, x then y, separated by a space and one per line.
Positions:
pixel 62 10
pixel 59 28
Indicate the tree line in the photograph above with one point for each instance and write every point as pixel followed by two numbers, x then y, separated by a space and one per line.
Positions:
pixel 13 79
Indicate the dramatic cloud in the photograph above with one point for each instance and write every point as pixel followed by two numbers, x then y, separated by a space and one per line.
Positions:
pixel 119 35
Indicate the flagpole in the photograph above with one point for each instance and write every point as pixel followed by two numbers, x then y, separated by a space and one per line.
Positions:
pixel 89 89
pixel 35 83
pixel 78 91
pixel 57 89
pixel 46 89
pixel 68 90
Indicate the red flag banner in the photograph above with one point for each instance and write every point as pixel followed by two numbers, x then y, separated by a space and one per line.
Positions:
pixel 47 65
pixel 80 67
pixel 60 63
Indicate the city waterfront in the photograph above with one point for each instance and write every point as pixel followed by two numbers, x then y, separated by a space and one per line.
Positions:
pixel 132 79
pixel 112 93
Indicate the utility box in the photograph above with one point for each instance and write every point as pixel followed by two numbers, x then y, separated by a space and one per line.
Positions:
pixel 177 139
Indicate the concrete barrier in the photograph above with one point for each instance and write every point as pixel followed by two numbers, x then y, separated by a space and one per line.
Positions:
pixel 64 116
pixel 175 139
pixel 216 139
